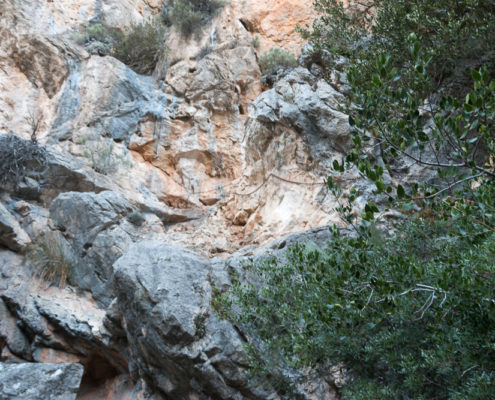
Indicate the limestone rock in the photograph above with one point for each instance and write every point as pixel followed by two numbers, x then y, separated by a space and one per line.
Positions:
pixel 86 105
pixel 11 233
pixel 275 25
pixel 180 346
pixel 42 63
pixel 34 381
pixel 12 335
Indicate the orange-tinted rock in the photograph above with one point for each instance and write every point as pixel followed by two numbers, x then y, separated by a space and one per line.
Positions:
pixel 275 23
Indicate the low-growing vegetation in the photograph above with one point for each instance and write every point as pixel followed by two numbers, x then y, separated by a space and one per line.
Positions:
pixel 410 316
pixel 190 16
pixel 102 155
pixel 256 41
pixel 136 218
pixel 52 259
pixel 139 46
pixel 19 156
pixel 276 58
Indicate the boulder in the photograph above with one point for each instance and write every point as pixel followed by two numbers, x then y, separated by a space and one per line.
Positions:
pixel 310 108
pixel 92 225
pixel 177 343
pixel 34 381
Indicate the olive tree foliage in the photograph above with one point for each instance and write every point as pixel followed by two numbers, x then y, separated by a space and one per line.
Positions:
pixel 422 92
pixel 409 314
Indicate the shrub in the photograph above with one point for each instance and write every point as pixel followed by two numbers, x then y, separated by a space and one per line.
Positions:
pixel 411 316
pixel 19 156
pixel 96 39
pixel 140 46
pixel 189 16
pixel 97 32
pixel 456 35
pixel 101 153
pixel 52 259
pixel 256 42
pixel 136 218
pixel 275 58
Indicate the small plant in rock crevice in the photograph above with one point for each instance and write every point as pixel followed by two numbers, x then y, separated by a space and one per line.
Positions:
pixel 136 218
pixel 101 153
pixel 52 259
pixel 190 16
pixel 256 41
pixel 200 324
pixel 276 58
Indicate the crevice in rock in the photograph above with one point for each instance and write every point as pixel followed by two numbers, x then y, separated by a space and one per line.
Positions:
pixel 248 25
pixel 97 372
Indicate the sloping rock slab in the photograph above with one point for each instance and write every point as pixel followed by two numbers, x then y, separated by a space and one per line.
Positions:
pixel 32 381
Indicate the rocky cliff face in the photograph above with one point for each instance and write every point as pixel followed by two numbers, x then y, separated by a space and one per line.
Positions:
pixel 134 170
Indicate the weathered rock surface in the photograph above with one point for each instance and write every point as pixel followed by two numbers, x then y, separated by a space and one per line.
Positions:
pixel 11 335
pixel 275 23
pixel 11 233
pixel 100 229
pixel 34 381
pixel 176 343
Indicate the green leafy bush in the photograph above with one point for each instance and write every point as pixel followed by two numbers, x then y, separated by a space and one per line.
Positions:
pixel 411 316
pixel 52 259
pixel 456 35
pixel 189 16
pixel 275 58
pixel 96 39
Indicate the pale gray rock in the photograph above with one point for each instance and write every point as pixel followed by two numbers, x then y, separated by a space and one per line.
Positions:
pixel 83 215
pixel 297 102
pixel 35 381
pixel 11 234
pixel 91 223
pixel 177 343
pixel 108 98
pixel 98 228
